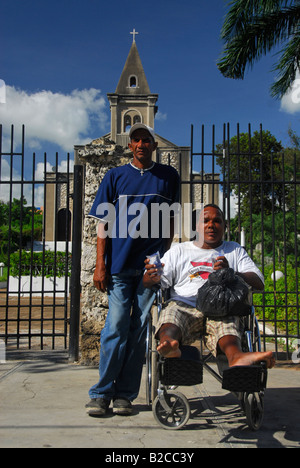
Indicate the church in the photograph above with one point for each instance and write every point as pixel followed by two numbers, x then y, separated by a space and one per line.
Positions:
pixel 133 102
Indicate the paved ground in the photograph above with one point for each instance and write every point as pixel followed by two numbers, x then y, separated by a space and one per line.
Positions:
pixel 42 406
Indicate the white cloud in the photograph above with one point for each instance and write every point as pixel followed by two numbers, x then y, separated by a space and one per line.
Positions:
pixel 39 175
pixel 290 103
pixel 160 116
pixel 40 170
pixel 62 119
pixel 16 187
pixel 62 167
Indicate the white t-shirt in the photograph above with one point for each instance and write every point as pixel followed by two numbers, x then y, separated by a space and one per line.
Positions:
pixel 187 267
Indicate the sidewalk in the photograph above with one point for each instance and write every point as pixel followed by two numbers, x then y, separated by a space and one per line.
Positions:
pixel 42 406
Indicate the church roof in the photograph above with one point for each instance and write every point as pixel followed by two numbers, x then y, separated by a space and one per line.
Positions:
pixel 133 69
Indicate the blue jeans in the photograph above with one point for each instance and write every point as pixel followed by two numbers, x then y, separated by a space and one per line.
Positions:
pixel 123 338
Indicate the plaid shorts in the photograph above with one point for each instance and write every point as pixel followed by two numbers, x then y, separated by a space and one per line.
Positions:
pixel 193 324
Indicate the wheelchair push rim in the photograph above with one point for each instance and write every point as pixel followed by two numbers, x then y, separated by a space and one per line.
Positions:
pixel 151 361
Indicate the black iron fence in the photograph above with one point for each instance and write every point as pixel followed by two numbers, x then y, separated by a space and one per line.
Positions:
pixel 35 247
pixel 250 175
pixel 259 190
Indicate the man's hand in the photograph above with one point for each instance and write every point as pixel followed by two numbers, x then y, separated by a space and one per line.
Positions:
pixel 251 278
pixel 151 276
pixel 100 278
pixel 221 262
pixel 100 274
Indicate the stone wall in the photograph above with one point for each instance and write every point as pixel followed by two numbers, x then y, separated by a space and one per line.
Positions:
pixel 97 158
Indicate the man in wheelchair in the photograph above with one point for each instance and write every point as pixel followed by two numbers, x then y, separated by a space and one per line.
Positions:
pixel 187 267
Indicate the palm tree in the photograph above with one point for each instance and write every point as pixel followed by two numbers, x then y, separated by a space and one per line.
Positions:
pixel 253 28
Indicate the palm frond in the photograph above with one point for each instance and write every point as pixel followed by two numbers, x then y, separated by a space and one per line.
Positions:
pixel 288 67
pixel 257 38
pixel 242 13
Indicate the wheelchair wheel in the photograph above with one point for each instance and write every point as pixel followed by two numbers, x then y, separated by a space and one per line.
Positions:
pixel 151 361
pixel 175 413
pixel 251 341
pixel 254 410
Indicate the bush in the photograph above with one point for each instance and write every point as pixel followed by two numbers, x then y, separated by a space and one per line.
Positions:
pixel 11 234
pixel 54 264
pixel 279 304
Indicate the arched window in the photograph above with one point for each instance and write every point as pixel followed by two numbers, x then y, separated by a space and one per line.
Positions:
pixel 136 119
pixel 127 123
pixel 133 81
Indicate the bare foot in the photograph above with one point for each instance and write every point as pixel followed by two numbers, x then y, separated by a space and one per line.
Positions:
pixel 248 359
pixel 169 349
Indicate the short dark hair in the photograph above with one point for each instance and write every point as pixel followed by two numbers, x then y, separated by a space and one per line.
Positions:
pixel 213 205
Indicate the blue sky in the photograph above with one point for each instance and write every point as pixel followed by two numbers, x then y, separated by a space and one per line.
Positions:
pixel 59 58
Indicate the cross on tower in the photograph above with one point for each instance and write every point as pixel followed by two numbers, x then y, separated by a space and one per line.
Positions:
pixel 134 33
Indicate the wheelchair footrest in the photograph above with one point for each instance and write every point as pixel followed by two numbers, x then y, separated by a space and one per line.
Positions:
pixel 248 379
pixel 184 371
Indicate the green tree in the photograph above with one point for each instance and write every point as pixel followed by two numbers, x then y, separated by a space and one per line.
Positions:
pixel 4 209
pixel 11 216
pixel 292 170
pixel 16 211
pixel 295 139
pixel 278 234
pixel 252 28
pixel 249 166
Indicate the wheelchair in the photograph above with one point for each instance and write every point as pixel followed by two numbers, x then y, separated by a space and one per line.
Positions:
pixel 171 408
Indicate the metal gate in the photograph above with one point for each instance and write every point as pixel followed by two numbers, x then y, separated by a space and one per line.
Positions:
pixel 249 175
pixel 37 215
pixel 259 191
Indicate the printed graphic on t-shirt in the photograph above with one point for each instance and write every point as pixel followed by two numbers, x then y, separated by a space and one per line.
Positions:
pixel 203 269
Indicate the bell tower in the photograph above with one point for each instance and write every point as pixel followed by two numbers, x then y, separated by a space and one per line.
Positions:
pixel 132 102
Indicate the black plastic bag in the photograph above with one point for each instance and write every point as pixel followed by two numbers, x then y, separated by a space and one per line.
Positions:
pixel 224 294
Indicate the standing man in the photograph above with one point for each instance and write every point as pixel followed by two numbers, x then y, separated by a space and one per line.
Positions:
pixel 124 239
